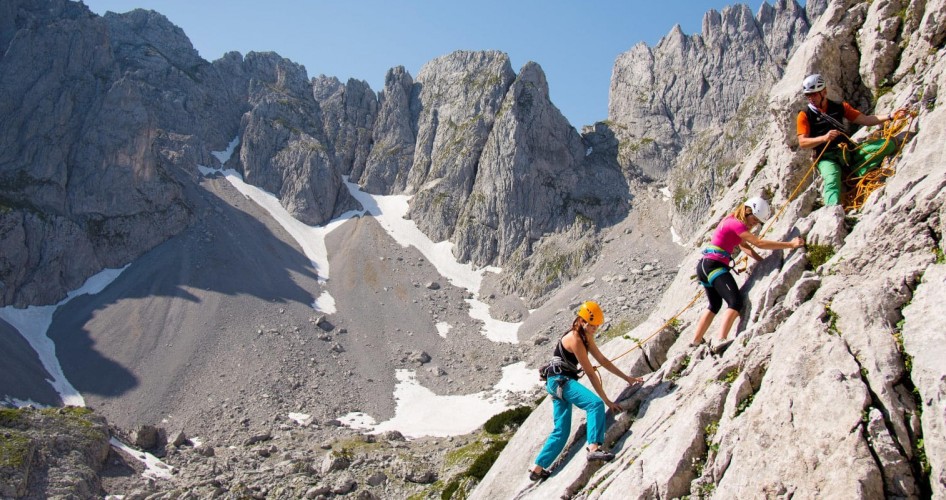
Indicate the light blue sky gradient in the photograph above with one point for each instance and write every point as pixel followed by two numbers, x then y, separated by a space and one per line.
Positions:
pixel 575 42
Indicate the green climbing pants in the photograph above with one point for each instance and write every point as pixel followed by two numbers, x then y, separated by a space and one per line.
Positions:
pixel 833 165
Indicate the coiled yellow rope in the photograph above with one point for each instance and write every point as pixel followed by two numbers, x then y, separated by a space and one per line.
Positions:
pixel 863 187
pixel 860 187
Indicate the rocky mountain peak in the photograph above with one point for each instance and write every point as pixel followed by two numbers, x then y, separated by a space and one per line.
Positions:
pixel 392 150
pixel 272 73
pixel 459 96
pixel 662 97
pixel 142 35
pixel 348 115
pixel 832 364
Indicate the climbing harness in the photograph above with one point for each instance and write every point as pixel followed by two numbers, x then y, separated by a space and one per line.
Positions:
pixel 715 250
pixel 715 273
pixel 902 120
pixel 719 271
pixel 560 366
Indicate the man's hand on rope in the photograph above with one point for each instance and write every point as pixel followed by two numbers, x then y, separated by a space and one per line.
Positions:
pixel 899 113
pixel 831 135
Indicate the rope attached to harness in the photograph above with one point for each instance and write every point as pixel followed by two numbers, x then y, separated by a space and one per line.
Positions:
pixel 652 335
pixel 902 120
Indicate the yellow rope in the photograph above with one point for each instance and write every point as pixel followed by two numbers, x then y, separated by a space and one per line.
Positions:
pixel 866 184
pixel 861 187
pixel 744 259
pixel 641 343
pixel 771 222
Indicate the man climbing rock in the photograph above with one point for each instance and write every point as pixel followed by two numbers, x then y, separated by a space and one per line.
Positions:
pixel 821 127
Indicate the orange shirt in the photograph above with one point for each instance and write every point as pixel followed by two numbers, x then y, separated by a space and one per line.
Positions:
pixel 801 123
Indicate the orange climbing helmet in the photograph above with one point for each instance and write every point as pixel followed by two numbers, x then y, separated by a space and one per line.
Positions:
pixel 591 312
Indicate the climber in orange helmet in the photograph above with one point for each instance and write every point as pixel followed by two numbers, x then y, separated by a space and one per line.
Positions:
pixel 570 358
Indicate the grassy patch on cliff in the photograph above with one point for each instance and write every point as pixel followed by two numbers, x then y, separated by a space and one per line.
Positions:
pixel 75 420
pixel 14 449
pixel 615 330
pixel 480 455
pixel 818 254
pixel 11 417
pixel 477 470
pixel 508 420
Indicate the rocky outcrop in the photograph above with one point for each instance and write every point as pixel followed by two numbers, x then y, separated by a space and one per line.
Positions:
pixel 690 108
pixel 348 115
pixel 120 116
pixel 459 99
pixel 392 151
pixel 830 388
pixel 52 453
pixel 494 167
pixel 283 148
pixel 533 181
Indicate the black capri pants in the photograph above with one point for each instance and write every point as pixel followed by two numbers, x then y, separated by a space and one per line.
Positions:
pixel 723 285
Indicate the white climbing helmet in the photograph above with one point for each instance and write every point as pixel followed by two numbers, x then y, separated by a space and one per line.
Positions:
pixel 813 83
pixel 760 208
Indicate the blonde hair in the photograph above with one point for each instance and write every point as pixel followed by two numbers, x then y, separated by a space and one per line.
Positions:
pixel 742 213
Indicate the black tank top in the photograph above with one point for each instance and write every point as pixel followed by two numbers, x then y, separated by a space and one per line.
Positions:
pixel 565 354
pixel 568 356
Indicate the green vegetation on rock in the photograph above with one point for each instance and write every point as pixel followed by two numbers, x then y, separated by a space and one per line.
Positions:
pixel 14 449
pixel 507 420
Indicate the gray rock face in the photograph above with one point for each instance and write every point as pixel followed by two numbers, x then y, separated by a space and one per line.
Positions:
pixel 283 148
pixel 459 98
pixel 688 109
pixel 533 180
pixel 830 388
pixel 52 453
pixel 348 116
pixel 110 187
pixel 925 345
pixel 392 150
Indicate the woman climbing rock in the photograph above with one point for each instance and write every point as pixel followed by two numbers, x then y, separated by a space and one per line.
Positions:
pixel 713 268
pixel 569 359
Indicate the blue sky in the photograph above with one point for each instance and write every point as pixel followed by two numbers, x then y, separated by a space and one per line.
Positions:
pixel 575 42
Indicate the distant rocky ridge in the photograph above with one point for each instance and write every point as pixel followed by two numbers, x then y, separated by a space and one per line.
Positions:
pixel 145 109
pixel 687 110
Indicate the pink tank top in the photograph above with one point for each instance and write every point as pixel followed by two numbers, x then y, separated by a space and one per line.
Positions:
pixel 726 237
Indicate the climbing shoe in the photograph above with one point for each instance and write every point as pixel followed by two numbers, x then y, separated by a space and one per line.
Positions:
pixel 600 455
pixel 539 476
pixel 721 346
